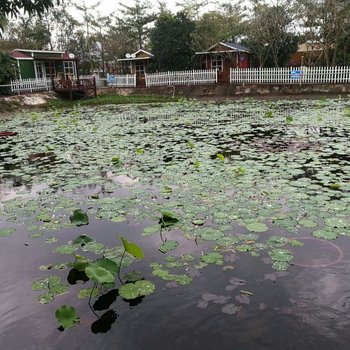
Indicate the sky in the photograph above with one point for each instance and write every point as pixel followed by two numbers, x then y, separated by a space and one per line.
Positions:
pixel 108 6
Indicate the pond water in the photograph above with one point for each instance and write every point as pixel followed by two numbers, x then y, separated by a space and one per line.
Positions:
pixel 238 216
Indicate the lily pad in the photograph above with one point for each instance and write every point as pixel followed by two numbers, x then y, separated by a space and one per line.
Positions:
pixel 256 227
pixel 138 289
pixel 79 218
pixel 168 245
pixel 67 316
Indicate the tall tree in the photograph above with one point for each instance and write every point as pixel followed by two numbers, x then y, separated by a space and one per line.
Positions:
pixel 171 41
pixel 7 68
pixel 135 20
pixel 270 33
pixel 13 7
pixel 215 26
pixel 326 27
pixel 192 8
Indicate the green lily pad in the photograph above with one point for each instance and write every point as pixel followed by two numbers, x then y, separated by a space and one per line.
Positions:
pixel 325 234
pixel 213 258
pixel 256 227
pixel 6 232
pixel 168 219
pixel 169 245
pixel 79 218
pixel 132 276
pixel 283 255
pixel 67 316
pixel 99 274
pixel 82 240
pixel 66 249
pixel 138 289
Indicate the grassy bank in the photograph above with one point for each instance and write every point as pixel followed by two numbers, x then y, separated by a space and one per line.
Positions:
pixel 109 99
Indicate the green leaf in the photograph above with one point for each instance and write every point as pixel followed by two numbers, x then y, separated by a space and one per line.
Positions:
pixel 82 240
pixel 107 264
pixel 116 161
pixel 86 292
pixel 45 298
pixel 79 218
pixel 289 119
pixel 132 248
pixel 220 157
pixel 138 289
pixel 168 246
pixel 325 234
pixel 6 232
pixel 168 219
pixel 67 316
pixel 139 151
pixel 167 189
pixel 99 274
pixel 256 227
pixel 65 249
pixel 132 276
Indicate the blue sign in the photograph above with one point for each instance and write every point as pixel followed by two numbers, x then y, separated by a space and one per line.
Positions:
pixel 111 78
pixel 296 74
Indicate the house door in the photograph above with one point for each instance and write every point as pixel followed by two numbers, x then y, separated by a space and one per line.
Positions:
pixel 40 72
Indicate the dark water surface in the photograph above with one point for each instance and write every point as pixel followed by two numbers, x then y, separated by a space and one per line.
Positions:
pixel 276 173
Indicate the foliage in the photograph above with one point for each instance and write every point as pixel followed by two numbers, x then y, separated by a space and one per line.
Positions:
pixel 135 22
pixel 270 34
pixel 13 8
pixel 67 316
pixel 7 68
pixel 171 41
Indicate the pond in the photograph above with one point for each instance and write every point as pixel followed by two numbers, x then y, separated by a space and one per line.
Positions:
pixel 191 225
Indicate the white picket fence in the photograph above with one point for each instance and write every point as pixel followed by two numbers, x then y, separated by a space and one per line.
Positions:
pixel 30 85
pixel 292 75
pixel 191 77
pixel 121 80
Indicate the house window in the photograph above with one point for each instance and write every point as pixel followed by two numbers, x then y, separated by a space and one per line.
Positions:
pixel 69 69
pixel 140 68
pixel 49 71
pixel 40 70
pixel 217 62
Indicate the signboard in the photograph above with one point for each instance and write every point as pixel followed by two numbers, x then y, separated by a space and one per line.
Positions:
pixel 296 74
pixel 111 78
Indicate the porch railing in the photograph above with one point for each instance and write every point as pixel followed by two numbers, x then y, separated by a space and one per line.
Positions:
pixel 191 77
pixel 121 80
pixel 30 85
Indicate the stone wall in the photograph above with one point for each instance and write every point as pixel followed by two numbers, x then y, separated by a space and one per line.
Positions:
pixel 198 91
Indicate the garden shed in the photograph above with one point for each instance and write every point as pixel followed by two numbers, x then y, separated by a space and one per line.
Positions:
pixel 138 63
pixel 41 64
pixel 223 56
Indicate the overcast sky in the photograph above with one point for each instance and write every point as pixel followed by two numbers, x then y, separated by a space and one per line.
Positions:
pixel 108 6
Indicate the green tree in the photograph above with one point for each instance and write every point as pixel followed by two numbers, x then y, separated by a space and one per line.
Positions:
pixel 326 27
pixel 214 26
pixel 135 21
pixel 270 33
pixel 7 69
pixel 171 41
pixel 13 7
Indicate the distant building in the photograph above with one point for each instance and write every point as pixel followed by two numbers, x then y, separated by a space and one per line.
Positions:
pixel 39 64
pixel 223 56
pixel 138 63
pixel 308 54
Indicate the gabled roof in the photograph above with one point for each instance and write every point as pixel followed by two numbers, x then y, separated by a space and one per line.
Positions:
pixel 24 54
pixel 231 47
pixel 133 56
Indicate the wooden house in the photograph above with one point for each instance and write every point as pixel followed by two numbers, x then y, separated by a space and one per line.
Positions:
pixel 138 63
pixel 40 64
pixel 223 56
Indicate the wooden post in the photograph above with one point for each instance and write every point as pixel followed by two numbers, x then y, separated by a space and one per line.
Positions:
pixel 94 80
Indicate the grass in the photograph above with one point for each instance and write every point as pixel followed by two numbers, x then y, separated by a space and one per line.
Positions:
pixel 109 99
